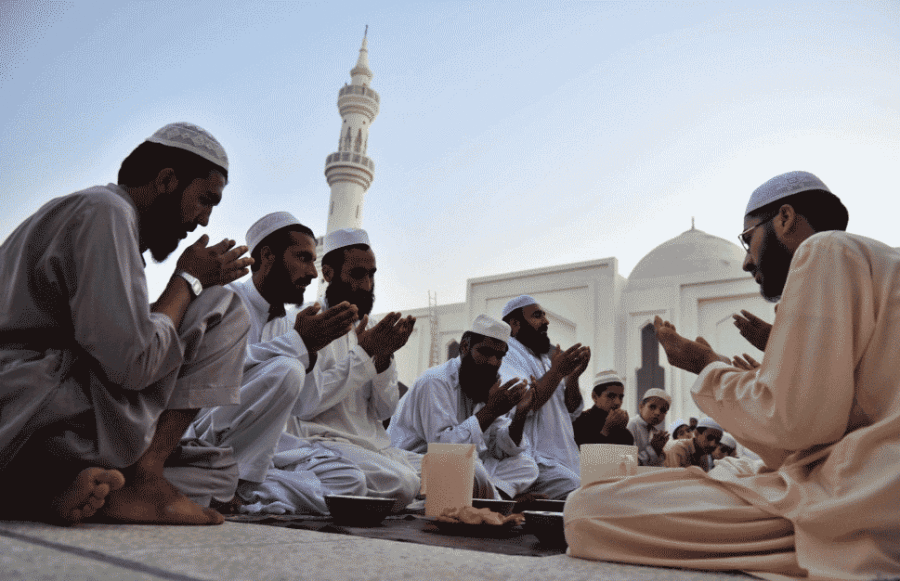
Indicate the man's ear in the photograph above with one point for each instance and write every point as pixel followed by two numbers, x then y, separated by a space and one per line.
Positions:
pixel 266 258
pixel 464 348
pixel 327 272
pixel 166 181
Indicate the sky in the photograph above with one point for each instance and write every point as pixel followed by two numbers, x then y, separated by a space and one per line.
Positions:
pixel 511 135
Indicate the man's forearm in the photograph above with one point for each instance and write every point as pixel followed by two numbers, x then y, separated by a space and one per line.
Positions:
pixel 573 394
pixel 544 389
pixel 517 427
pixel 174 300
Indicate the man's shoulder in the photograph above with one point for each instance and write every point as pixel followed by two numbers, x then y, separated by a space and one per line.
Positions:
pixel 441 375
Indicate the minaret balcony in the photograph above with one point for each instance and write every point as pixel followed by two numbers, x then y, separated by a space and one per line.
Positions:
pixel 358 90
pixel 349 166
pixel 358 99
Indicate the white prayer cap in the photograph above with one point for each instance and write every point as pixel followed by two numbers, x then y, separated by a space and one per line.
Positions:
pixel 727 440
pixel 344 237
pixel 189 137
pixel 656 392
pixel 517 303
pixel 710 423
pixel 484 325
pixel 673 427
pixel 779 187
pixel 268 224
pixel 608 376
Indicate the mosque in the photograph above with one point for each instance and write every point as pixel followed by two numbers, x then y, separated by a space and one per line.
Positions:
pixel 694 280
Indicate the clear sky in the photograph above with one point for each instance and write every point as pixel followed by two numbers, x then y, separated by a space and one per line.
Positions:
pixel 512 135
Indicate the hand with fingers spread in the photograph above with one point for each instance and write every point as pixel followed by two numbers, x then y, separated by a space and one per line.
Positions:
pixel 218 264
pixel 502 398
pixel 385 338
pixel 658 441
pixel 616 419
pixel 567 362
pixel 747 363
pixel 683 353
pixel 753 329
pixel 319 329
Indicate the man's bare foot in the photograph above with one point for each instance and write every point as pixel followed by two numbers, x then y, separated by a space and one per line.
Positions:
pixel 87 494
pixel 232 506
pixel 151 499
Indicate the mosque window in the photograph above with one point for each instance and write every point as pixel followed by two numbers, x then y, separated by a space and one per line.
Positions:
pixel 650 373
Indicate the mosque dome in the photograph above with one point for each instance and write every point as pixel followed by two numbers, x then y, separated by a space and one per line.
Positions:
pixel 690 253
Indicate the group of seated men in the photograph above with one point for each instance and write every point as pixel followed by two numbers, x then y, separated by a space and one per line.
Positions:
pixel 216 396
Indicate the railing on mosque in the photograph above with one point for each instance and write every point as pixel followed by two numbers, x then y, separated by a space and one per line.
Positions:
pixel 349 156
pixel 359 90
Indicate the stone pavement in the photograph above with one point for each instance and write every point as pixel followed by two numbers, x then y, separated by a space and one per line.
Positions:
pixel 238 551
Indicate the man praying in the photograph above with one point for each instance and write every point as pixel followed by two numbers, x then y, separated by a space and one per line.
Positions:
pixel 463 402
pixel 97 386
pixel 556 401
pixel 822 411
pixel 355 387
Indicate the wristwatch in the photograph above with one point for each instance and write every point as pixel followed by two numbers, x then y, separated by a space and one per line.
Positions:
pixel 193 282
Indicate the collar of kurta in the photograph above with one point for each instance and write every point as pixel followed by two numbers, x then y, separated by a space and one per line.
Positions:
pixel 260 304
pixel 644 423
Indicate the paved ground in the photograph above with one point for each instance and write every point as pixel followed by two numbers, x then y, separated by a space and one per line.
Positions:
pixel 238 551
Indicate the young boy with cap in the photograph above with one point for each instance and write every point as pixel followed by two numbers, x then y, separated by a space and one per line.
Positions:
pixel 646 428
pixel 681 430
pixel 696 451
pixel 605 422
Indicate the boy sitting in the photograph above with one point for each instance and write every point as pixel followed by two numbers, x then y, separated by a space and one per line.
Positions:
pixel 696 451
pixel 647 430
pixel 605 422
pixel 681 430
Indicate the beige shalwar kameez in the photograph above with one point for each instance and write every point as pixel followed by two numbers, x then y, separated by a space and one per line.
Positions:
pixel 823 413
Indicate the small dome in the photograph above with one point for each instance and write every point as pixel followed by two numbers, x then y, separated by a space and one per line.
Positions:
pixel 691 252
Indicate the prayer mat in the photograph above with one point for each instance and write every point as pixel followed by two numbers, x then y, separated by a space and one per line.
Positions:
pixel 412 528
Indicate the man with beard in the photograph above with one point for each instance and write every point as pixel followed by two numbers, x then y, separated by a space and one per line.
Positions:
pixel 556 401
pixel 462 402
pixel 96 384
pixel 355 387
pixel 822 411
pixel 280 354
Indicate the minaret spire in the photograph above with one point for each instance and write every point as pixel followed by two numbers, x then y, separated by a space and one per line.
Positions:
pixel 348 170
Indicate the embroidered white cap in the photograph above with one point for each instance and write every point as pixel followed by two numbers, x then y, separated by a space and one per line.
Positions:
pixel 656 392
pixel 677 424
pixel 608 376
pixel 729 441
pixel 268 224
pixel 343 238
pixel 489 327
pixel 782 186
pixel 191 138
pixel 517 303
pixel 709 423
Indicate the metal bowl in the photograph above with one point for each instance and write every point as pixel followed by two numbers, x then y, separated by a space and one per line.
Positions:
pixel 504 507
pixel 362 511
pixel 547 526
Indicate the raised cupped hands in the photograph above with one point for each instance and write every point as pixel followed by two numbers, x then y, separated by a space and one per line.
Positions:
pixel 319 329
pixel 218 264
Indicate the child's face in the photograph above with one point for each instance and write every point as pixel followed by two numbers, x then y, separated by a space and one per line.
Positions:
pixel 708 440
pixel 611 398
pixel 683 433
pixel 654 409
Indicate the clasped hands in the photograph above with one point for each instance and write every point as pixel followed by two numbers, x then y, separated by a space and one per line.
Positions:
pixel 218 264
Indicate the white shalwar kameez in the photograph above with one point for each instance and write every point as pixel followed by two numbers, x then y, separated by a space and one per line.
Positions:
pixel 343 410
pixel 84 360
pixel 643 433
pixel 823 413
pixel 435 409
pixel 549 429
pixel 275 365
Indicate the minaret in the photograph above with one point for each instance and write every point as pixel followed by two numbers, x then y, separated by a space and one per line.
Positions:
pixel 348 170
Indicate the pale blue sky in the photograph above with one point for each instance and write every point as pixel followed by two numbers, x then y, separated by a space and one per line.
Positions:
pixel 511 135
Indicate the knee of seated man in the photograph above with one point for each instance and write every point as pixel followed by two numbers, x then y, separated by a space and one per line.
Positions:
pixel 292 374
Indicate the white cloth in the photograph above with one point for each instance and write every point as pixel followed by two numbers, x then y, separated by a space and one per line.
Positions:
pixel 823 412
pixel 274 372
pixel 435 409
pixel 346 404
pixel 642 432
pixel 549 429
pixel 77 338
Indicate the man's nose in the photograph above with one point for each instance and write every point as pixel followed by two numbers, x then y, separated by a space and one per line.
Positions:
pixel 748 265
pixel 367 283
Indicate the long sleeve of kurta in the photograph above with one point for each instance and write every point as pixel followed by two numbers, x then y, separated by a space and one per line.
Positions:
pixel 110 315
pixel 336 379
pixel 799 397
pixel 385 393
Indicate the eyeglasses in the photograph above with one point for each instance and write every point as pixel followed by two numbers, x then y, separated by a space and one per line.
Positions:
pixel 744 236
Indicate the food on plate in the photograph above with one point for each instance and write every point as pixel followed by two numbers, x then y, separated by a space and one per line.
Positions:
pixel 476 516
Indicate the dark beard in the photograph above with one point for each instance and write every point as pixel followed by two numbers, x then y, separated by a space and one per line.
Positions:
pixel 537 341
pixel 161 228
pixel 339 291
pixel 476 380
pixel 279 287
pixel 775 264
